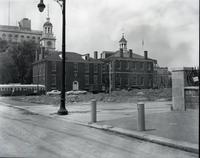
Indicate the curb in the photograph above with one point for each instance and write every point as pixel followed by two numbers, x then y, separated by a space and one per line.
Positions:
pixel 182 145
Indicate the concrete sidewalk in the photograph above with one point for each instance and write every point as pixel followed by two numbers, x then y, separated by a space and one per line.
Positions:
pixel 170 128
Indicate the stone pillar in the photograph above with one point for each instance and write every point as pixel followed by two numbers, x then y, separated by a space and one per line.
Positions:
pixel 178 89
pixel 93 111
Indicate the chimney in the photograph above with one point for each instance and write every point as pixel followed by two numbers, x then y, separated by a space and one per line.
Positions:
pixel 95 55
pixel 130 53
pixel 121 52
pixel 87 56
pixel 145 54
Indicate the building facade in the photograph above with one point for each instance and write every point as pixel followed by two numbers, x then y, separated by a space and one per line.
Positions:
pixel 82 72
pixel 124 69
pixel 23 32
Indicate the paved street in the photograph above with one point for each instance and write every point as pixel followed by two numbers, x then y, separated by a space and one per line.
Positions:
pixel 27 134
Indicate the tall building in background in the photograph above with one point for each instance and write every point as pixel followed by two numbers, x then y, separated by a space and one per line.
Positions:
pixel 22 32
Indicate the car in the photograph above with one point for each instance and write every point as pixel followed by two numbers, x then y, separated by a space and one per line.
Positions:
pixel 76 92
pixel 54 92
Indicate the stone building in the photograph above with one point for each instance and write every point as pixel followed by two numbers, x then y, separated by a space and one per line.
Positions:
pixel 124 69
pixel 23 32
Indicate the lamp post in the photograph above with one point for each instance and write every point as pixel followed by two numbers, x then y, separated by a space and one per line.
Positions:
pixel 62 110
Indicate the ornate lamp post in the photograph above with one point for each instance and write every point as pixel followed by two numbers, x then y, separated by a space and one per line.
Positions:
pixel 41 6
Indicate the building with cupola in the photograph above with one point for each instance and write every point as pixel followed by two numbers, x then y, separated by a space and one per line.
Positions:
pixel 82 71
pixel 124 69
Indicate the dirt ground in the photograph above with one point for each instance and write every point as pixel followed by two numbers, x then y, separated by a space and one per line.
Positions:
pixel 122 96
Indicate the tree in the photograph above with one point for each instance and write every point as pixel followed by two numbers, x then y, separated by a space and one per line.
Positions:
pixel 3 45
pixel 23 55
pixel 7 69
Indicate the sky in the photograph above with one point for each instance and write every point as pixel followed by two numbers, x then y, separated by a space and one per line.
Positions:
pixel 169 28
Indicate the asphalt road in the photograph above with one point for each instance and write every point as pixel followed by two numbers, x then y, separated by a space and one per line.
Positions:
pixel 26 134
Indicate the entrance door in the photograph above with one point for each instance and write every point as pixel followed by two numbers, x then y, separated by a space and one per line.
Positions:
pixel 75 86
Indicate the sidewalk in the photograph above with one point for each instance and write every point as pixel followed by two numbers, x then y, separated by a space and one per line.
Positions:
pixel 174 129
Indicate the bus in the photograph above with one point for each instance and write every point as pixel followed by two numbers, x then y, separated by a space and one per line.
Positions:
pixel 21 89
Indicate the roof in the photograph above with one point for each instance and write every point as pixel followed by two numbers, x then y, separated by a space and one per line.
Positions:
pixel 123 39
pixel 47 24
pixel 126 55
pixel 116 54
pixel 69 56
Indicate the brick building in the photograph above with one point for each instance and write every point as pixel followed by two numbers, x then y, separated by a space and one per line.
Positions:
pixel 82 72
pixel 124 69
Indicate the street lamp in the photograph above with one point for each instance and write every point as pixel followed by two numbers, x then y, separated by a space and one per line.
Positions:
pixel 62 110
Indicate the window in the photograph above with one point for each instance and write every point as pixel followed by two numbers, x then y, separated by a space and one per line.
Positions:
pixel 33 37
pixel 118 64
pixel 53 79
pixel 134 65
pixel 53 66
pixel 87 67
pixel 141 81
pixel 118 80
pixel 9 35
pixel 28 37
pixel 149 66
pixel 127 65
pixel 95 68
pixel 95 79
pixel 22 36
pixel 104 68
pixel 141 65
pixel 16 36
pixel 86 79
pixel 150 82
pixel 75 67
pixel 134 80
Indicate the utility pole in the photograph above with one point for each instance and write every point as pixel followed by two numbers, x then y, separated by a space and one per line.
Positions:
pixel 110 77
pixel 9 12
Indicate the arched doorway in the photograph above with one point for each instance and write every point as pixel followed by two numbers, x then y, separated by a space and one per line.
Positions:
pixel 75 86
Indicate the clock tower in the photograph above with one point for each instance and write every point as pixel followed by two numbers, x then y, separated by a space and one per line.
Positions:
pixel 48 40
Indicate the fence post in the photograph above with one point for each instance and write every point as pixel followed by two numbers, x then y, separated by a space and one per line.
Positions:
pixel 141 116
pixel 93 111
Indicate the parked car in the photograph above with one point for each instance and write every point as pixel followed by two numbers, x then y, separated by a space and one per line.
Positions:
pixel 54 92
pixel 75 92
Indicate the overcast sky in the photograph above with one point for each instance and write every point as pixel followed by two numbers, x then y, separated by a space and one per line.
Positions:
pixel 170 28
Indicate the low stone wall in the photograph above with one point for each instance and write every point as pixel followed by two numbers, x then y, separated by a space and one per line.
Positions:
pixel 191 97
